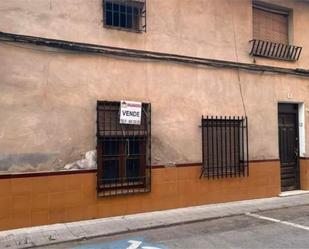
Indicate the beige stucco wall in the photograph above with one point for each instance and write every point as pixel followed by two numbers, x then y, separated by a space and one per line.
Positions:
pixel 48 99
pixel 204 28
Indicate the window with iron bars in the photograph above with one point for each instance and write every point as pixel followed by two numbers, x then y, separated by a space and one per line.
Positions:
pixel 123 151
pixel 225 147
pixel 129 15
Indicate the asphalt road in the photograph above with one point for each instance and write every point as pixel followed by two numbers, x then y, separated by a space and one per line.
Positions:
pixel 281 228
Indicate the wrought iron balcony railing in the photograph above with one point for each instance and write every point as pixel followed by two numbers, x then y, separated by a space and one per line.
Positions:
pixel 275 50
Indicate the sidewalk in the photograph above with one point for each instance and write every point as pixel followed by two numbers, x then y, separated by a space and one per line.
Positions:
pixel 58 233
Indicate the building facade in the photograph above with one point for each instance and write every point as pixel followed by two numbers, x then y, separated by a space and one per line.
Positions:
pixel 221 88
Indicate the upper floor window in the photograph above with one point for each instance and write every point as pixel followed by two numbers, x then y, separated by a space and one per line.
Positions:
pixel 271 32
pixel 128 15
pixel 270 24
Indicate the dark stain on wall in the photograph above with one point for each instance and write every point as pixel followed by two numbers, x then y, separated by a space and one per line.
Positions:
pixel 24 160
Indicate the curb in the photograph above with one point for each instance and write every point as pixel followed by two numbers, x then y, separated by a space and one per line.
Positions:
pixel 78 231
pixel 134 230
pixel 158 226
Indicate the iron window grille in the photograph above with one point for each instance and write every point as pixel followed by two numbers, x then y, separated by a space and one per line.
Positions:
pixel 225 147
pixel 129 15
pixel 123 152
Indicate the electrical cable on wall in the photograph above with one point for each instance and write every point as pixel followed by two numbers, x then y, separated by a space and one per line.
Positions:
pixel 237 59
pixel 145 55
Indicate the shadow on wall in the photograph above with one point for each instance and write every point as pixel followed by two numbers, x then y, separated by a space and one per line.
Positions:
pixel 33 162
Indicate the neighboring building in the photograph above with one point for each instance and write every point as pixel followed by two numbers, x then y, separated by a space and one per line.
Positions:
pixel 224 87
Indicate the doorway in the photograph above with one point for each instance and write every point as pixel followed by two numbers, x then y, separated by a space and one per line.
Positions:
pixel 289 146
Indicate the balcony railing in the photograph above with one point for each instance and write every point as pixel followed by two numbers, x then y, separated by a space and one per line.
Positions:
pixel 275 50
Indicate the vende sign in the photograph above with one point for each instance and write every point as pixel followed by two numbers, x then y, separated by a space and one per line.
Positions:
pixel 130 112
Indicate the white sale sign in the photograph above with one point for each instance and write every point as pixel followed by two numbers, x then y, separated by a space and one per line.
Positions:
pixel 130 112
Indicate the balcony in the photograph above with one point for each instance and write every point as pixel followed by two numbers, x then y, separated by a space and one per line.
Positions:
pixel 275 50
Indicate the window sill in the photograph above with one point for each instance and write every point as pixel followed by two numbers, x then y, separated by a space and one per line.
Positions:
pixel 138 31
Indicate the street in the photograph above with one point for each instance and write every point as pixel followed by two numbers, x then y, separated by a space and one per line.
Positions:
pixel 280 228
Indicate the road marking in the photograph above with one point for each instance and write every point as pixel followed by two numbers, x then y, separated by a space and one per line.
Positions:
pixel 278 221
pixel 150 247
pixel 134 244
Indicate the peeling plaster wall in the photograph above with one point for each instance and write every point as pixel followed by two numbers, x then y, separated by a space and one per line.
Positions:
pixel 48 99
pixel 55 112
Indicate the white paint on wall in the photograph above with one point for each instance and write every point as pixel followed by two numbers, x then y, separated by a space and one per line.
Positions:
pixel 89 162
pixel 302 133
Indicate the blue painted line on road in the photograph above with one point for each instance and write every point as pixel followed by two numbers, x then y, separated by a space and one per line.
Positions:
pixel 129 243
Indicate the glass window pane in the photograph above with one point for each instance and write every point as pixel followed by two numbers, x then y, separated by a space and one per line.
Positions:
pixel 123 8
pixel 132 169
pixel 108 6
pixel 111 147
pixel 110 171
pixel 129 10
pixel 116 19
pixel 109 18
pixel 123 21
pixel 134 146
pixel 129 21
pixel 116 7
pixel 136 11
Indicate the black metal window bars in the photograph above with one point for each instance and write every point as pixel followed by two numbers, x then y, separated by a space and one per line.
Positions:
pixel 123 152
pixel 275 50
pixel 224 146
pixel 129 15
